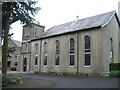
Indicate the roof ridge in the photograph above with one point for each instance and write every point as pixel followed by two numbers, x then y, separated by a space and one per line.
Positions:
pixel 99 20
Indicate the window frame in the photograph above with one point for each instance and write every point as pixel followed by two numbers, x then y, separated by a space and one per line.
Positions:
pixel 57 53
pixel 45 50
pixel 16 64
pixel 87 50
pixel 36 60
pixel 71 52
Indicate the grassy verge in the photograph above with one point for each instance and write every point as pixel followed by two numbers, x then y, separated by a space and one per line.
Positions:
pixel 70 74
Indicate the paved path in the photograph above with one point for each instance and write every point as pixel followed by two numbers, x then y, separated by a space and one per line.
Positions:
pixel 47 81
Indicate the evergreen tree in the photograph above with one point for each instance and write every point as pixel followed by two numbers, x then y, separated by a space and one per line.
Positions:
pixel 12 12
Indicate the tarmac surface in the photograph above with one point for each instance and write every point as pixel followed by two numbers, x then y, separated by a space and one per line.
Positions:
pixel 31 80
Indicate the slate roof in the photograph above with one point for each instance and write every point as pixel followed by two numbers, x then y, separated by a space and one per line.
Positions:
pixel 78 25
pixel 18 43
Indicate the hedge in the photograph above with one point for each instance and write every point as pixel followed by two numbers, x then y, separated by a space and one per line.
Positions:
pixel 114 73
pixel 114 66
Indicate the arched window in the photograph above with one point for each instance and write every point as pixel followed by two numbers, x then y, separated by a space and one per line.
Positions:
pixel 36 59
pixel 45 53
pixel 36 32
pixel 87 51
pixel 71 51
pixel 111 50
pixel 36 54
pixel 57 52
pixel 36 48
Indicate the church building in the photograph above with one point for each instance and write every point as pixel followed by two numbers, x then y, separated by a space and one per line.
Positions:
pixel 82 46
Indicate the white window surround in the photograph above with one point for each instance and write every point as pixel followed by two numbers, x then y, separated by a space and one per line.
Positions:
pixel 87 46
pixel 71 53
pixel 87 52
pixel 56 66
pixel 71 66
pixel 87 66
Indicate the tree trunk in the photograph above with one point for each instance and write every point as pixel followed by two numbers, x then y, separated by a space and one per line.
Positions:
pixel 5 46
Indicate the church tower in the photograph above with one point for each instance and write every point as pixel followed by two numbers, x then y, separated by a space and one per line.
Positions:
pixel 30 31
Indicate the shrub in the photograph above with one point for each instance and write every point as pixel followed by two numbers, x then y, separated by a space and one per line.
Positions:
pixel 65 73
pixel 51 73
pixel 8 79
pixel 114 73
pixel 37 72
pixel 114 66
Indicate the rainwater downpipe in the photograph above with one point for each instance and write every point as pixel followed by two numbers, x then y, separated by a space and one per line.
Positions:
pixel 77 53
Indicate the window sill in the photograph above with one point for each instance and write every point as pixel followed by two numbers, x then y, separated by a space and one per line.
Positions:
pixel 56 66
pixel 87 66
pixel 45 65
pixel 35 65
pixel 71 66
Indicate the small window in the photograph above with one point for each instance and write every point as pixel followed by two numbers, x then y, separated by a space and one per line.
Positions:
pixel 71 49
pixel 36 32
pixel 26 32
pixel 71 59
pixel 57 59
pixel 45 59
pixel 45 53
pixel 36 59
pixel 57 53
pixel 87 59
pixel 111 50
pixel 16 63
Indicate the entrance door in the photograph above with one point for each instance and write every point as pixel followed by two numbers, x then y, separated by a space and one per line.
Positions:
pixel 9 64
pixel 25 64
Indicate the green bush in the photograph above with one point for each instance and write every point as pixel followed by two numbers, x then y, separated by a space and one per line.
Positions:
pixel 114 66
pixel 65 73
pixel 8 79
pixel 114 73
pixel 38 72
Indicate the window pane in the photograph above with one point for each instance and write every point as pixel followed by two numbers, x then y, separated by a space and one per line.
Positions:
pixel 36 60
pixel 16 63
pixel 71 45
pixel 87 42
pixel 45 60
pixel 87 59
pixel 71 59
pixel 57 59
pixel 57 46
pixel 71 41
pixel 45 47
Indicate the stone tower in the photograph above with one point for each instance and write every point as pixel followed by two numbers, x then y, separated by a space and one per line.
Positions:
pixel 30 31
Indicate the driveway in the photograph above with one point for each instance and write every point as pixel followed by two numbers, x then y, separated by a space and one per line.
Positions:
pixel 49 81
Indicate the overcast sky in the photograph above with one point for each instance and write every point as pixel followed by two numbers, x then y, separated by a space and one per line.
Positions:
pixel 55 12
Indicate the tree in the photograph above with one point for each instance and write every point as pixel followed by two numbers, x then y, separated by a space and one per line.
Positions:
pixel 12 12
